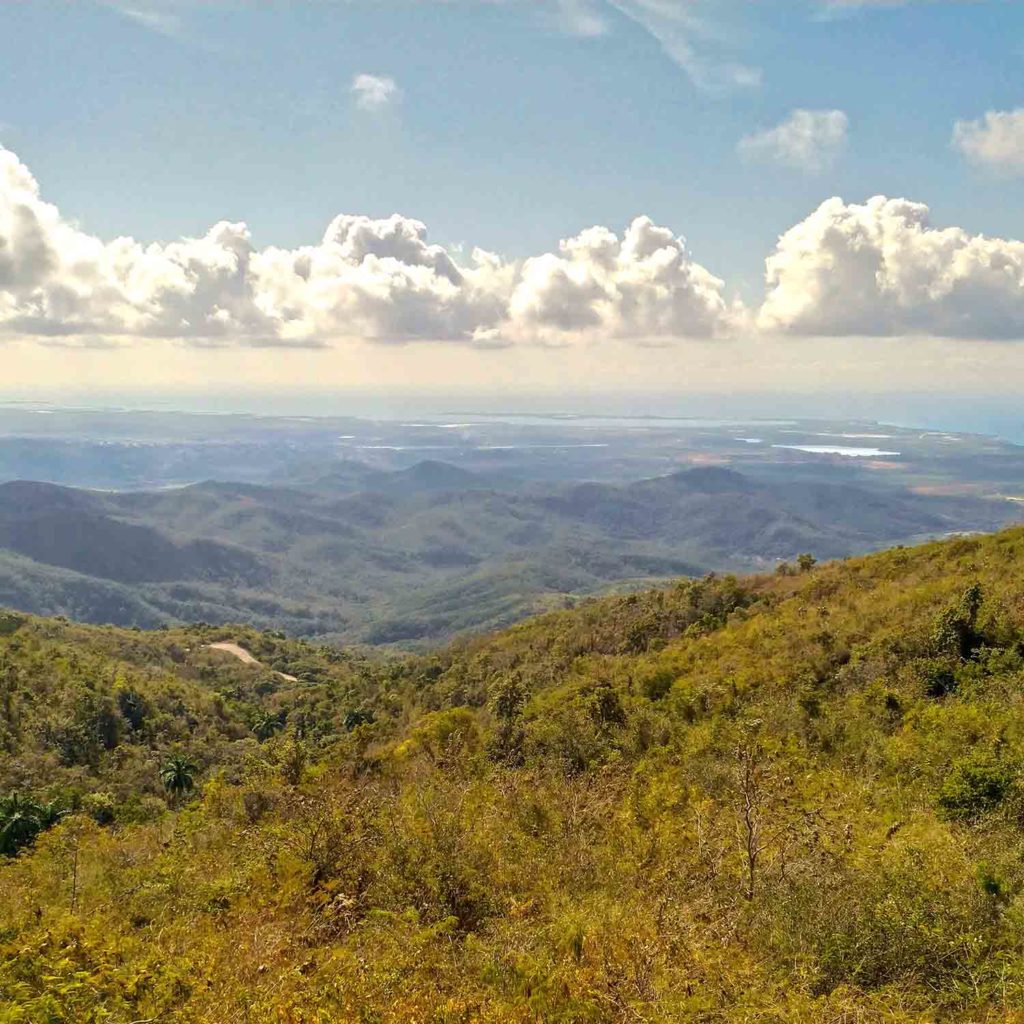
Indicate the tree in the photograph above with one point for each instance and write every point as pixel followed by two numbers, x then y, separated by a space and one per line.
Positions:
pixel 508 698
pixel 134 708
pixel 806 562
pixel 955 634
pixel 750 784
pixel 178 776
pixel 22 819
pixel 357 717
pixel 293 761
pixel 267 725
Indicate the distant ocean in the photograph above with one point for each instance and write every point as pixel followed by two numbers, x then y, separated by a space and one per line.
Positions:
pixel 996 415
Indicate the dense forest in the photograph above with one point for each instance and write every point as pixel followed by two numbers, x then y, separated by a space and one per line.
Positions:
pixel 795 797
pixel 415 557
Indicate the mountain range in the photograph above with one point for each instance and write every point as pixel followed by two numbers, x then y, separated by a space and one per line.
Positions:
pixel 353 553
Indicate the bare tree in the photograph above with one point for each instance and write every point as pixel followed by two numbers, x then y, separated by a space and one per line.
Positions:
pixel 750 783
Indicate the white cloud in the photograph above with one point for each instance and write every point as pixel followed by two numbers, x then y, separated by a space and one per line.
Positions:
pixel 808 140
pixel 57 280
pixel 995 140
pixel 880 269
pixel 889 3
pixel 840 8
pixel 697 35
pixel 687 36
pixel 876 269
pixel 643 286
pixel 375 92
pixel 379 280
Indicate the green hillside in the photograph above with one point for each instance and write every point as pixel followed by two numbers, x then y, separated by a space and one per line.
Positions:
pixel 787 798
pixel 415 557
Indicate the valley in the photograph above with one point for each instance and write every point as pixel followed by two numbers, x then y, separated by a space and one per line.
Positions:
pixel 409 533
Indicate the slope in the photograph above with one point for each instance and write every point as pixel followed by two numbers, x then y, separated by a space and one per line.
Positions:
pixel 795 797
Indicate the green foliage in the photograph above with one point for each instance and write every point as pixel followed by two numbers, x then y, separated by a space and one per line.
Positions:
pixel 22 819
pixel 178 776
pixel 728 800
pixel 268 724
pixel 955 634
pixel 10 622
pixel 134 708
pixel 357 717
pixel 99 710
pixel 976 783
pixel 432 552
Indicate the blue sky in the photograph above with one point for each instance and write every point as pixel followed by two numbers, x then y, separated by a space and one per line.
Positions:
pixel 512 125
pixel 510 133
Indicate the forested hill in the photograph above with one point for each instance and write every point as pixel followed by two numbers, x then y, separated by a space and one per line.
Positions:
pixel 415 557
pixel 787 798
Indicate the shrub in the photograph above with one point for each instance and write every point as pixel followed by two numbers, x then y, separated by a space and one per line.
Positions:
pixel 976 784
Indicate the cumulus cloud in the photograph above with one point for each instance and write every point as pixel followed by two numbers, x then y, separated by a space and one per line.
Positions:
pixel 375 92
pixel 374 279
pixel 995 140
pixel 57 280
pixel 642 286
pixel 808 140
pixel 876 269
pixel 380 280
pixel 881 269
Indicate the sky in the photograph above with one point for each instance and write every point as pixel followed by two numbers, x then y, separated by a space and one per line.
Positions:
pixel 532 196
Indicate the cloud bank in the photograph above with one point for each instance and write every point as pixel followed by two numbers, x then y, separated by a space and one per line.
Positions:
pixel 370 279
pixel 878 269
pixel 643 286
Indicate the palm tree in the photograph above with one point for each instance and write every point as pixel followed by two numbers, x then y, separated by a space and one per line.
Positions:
pixel 267 725
pixel 178 776
pixel 49 814
pixel 20 823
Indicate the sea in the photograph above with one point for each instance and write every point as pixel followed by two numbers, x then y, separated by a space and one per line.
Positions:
pixel 999 415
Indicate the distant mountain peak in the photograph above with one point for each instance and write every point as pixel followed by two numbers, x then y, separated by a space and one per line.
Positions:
pixel 432 474
pixel 436 468
pixel 713 479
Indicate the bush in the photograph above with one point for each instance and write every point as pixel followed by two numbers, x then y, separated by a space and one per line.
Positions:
pixel 101 807
pixel 975 785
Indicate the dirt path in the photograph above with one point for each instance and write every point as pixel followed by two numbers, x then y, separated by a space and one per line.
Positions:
pixel 243 655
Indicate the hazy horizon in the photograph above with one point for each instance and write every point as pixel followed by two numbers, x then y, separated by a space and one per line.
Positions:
pixel 995 415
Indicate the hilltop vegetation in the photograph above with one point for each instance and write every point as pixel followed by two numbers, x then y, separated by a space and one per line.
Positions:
pixel 796 797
